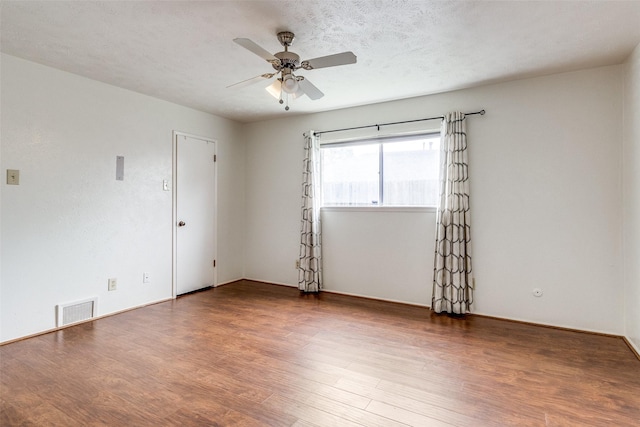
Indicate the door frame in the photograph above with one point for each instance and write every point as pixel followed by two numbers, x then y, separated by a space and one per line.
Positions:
pixel 174 206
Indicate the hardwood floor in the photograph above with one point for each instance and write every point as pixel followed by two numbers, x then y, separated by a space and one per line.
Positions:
pixel 251 354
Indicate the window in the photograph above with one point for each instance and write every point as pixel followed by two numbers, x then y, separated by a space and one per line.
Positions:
pixel 391 171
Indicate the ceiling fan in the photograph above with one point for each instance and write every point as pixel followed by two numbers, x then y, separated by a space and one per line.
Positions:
pixel 285 63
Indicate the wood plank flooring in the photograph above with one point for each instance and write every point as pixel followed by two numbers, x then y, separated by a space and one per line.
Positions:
pixel 252 354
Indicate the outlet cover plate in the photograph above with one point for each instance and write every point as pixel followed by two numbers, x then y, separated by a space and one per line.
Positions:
pixel 13 177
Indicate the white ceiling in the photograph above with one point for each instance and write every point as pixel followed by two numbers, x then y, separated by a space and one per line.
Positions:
pixel 182 51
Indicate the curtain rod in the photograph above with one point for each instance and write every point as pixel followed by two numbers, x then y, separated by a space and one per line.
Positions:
pixel 481 112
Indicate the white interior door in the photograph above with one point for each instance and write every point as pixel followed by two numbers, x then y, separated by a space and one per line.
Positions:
pixel 195 207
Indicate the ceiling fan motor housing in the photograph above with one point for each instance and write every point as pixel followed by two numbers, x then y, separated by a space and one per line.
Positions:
pixel 288 60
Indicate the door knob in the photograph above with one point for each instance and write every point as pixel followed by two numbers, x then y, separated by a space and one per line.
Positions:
pixel 181 224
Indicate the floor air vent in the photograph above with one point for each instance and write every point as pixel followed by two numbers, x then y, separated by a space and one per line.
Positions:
pixel 76 311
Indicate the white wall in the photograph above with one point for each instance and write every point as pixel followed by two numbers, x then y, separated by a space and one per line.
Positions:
pixel 631 207
pixel 546 197
pixel 69 225
pixel 386 255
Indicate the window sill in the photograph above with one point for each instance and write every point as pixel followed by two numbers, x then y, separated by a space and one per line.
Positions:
pixel 417 209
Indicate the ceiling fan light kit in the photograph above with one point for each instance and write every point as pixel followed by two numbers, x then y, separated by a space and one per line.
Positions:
pixel 285 63
pixel 290 84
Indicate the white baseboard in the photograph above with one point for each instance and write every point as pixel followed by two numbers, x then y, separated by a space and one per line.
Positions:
pixel 271 283
pixel 548 325
pixel 102 316
pixel 227 282
pixel 633 345
pixel 376 298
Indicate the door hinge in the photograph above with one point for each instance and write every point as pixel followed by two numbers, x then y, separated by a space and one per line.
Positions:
pixel 214 262
pixel 215 158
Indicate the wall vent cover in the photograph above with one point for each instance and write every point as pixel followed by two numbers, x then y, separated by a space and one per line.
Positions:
pixel 76 311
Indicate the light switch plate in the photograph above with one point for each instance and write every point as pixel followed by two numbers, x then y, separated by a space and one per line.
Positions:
pixel 119 168
pixel 13 177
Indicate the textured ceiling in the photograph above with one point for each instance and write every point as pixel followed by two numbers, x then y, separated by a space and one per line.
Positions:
pixel 183 52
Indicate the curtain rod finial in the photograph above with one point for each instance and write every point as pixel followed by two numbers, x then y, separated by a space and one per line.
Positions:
pixel 482 112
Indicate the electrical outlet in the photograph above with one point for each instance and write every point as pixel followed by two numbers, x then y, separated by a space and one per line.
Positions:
pixel 13 177
pixel 537 292
pixel 145 277
pixel 113 284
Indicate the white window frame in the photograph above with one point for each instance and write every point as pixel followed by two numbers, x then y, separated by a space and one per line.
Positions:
pixel 378 140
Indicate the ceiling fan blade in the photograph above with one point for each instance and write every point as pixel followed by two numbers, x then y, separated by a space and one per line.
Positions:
pixel 310 90
pixel 275 89
pixel 258 50
pixel 329 61
pixel 252 80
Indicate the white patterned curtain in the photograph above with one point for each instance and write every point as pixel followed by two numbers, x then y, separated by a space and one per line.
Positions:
pixel 452 278
pixel 310 270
